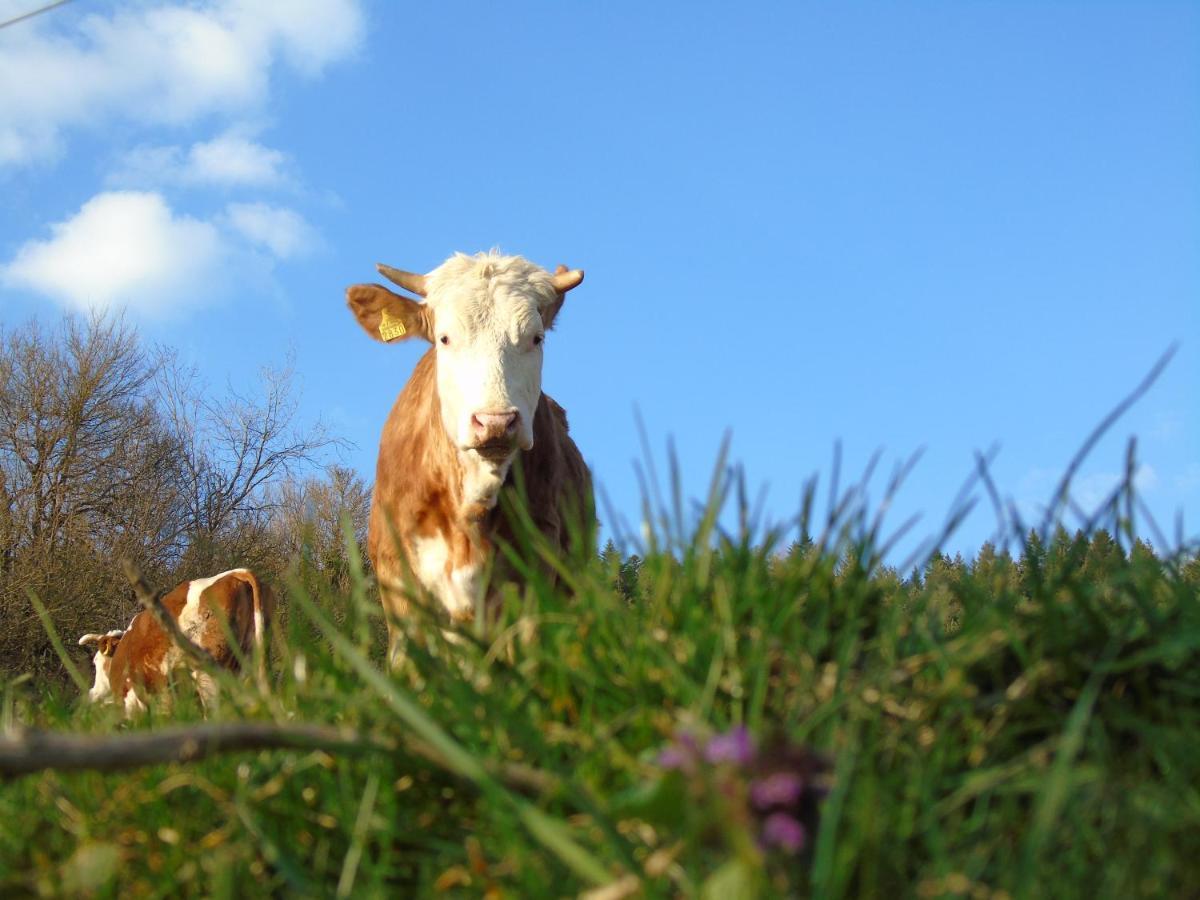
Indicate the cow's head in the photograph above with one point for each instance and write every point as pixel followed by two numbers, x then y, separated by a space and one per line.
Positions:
pixel 487 316
pixel 106 646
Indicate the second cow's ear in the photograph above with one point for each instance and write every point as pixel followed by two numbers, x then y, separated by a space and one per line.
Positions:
pixel 387 316
pixel 108 644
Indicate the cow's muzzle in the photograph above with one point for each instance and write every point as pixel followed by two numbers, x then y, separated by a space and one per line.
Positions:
pixel 494 432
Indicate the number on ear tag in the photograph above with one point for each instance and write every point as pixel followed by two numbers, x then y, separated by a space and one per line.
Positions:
pixel 391 327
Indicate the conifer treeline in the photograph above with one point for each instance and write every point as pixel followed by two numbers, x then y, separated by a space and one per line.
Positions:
pixel 1096 557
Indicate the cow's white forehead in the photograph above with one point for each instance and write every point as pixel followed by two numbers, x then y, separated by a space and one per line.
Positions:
pixel 488 284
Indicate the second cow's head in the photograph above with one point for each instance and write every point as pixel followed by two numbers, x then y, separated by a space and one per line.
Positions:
pixel 105 646
pixel 486 316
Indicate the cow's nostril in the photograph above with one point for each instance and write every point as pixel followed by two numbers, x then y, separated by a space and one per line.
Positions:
pixel 492 425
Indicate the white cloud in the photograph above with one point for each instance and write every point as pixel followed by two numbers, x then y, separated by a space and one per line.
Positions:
pixel 165 64
pixel 129 248
pixel 1088 490
pixel 229 160
pixel 121 248
pixel 1166 425
pixel 1093 489
pixel 282 231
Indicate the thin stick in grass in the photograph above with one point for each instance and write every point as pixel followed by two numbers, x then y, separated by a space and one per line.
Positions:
pixel 24 753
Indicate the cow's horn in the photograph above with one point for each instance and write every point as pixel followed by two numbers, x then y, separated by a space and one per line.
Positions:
pixel 564 279
pixel 406 280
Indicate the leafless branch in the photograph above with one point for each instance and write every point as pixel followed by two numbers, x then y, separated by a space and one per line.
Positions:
pixel 33 751
pixel 26 752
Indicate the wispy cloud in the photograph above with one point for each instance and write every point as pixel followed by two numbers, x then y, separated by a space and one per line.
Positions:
pixel 130 249
pixel 280 230
pixel 169 63
pixel 1093 489
pixel 229 160
pixel 1166 425
pixel 1189 480
pixel 1090 489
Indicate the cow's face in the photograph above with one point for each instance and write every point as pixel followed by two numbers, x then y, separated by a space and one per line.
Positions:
pixel 487 317
pixel 488 332
pixel 106 647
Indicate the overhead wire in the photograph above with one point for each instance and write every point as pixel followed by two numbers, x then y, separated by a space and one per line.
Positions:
pixel 32 13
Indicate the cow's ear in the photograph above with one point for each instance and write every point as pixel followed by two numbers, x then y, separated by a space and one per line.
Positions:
pixel 563 280
pixel 387 316
pixel 108 644
pixel 550 311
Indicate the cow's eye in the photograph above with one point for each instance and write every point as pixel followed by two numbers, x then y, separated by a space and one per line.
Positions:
pixel 444 340
pixel 537 340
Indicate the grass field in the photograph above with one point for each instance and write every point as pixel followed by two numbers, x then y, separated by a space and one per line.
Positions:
pixel 988 728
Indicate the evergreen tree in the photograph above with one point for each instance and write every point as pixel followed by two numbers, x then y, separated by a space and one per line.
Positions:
pixel 1060 554
pixel 1143 554
pixel 610 558
pixel 1190 572
pixel 1104 556
pixel 985 562
pixel 801 547
pixel 627 580
pixel 797 550
pixel 995 570
pixel 1031 570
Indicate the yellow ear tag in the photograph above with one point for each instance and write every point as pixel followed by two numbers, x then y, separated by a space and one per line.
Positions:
pixel 391 327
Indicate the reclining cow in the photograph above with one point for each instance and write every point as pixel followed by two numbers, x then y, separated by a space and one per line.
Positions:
pixel 472 412
pixel 138 661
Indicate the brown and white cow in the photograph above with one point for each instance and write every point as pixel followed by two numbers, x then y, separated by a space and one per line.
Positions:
pixel 471 413
pixel 138 660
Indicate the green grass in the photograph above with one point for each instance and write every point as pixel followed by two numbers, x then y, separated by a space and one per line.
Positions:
pixel 998 729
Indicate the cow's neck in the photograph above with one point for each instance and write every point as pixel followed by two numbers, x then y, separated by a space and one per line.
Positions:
pixel 480 481
pixel 101 688
pixel 474 481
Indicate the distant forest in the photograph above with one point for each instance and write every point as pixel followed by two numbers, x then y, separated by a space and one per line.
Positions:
pixel 1097 558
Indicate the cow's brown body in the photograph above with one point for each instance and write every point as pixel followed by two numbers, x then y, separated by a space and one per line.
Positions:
pixel 144 655
pixel 418 491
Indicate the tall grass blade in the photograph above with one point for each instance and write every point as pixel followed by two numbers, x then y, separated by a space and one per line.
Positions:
pixel 56 642
pixel 551 833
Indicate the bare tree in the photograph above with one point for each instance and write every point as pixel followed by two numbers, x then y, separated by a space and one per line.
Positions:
pixel 309 516
pixel 108 451
pixel 86 470
pixel 232 450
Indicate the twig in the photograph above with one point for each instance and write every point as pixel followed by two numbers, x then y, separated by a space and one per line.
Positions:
pixel 32 751
pixel 154 606
pixel 26 752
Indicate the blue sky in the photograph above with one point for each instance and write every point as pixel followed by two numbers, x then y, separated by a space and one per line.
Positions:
pixel 901 226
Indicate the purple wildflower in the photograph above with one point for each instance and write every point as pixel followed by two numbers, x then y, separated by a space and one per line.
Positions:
pixel 777 789
pixel 734 746
pixel 783 831
pixel 683 755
